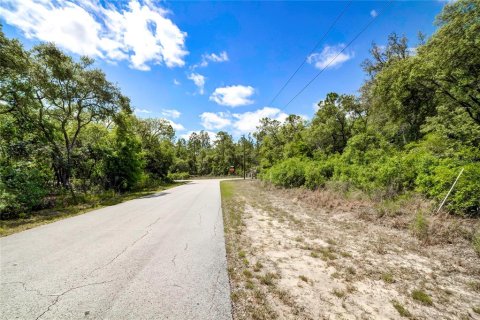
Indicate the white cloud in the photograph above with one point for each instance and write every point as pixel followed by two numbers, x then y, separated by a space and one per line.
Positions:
pixel 247 122
pixel 170 113
pixel 373 13
pixel 140 32
pixel 221 57
pixel 331 56
pixel 176 126
pixel 217 121
pixel 199 81
pixel 233 96
pixel 176 82
pixel 142 111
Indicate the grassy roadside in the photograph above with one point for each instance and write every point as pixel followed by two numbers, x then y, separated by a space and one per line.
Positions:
pixel 249 285
pixel 93 202
pixel 299 254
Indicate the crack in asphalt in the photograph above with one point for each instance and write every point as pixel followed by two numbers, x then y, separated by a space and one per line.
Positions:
pixel 173 260
pixel 127 247
pixel 58 296
pixel 186 247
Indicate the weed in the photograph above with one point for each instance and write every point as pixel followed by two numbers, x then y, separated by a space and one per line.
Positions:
pixel 258 266
pixel 268 279
pixel 351 271
pixel 314 254
pixel 401 309
pixel 387 277
pixel 419 226
pixel 422 297
pixel 247 273
pixel 476 242
pixel 475 285
pixel 476 309
pixel 242 254
pixel 249 285
pixel 339 293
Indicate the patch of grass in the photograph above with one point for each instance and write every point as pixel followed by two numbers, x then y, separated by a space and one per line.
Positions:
pixel 476 242
pixel 303 278
pixel 420 226
pixel 339 293
pixel 247 273
pixel 475 285
pixel 351 271
pixel 327 253
pixel 387 277
pixel 476 309
pixel 258 266
pixel 401 309
pixel 268 279
pixel 422 297
pixel 314 254
pixel 242 254
pixel 345 254
pixel 250 285
pixel 88 203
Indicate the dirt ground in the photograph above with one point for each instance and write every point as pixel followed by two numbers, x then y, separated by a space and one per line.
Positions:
pixel 297 254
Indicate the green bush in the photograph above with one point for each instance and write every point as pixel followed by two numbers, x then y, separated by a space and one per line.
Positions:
pixel 288 173
pixel 22 189
pixel 317 173
pixel 436 178
pixel 178 175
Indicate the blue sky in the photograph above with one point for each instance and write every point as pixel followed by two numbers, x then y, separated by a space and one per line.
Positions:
pixel 217 65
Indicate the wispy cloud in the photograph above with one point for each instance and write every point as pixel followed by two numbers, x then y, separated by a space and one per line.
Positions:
pixel 233 96
pixel 212 57
pixel 176 82
pixel 142 111
pixel 330 56
pixel 198 80
pixel 140 32
pixel 211 121
pixel 373 13
pixel 170 113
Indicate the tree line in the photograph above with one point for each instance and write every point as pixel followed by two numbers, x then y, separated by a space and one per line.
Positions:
pixel 413 126
pixel 66 131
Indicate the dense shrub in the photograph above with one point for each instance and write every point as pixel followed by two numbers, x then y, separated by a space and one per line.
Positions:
pixel 288 173
pixel 178 176
pixel 317 173
pixel 22 189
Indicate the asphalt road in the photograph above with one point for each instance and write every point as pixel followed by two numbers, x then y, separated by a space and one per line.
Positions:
pixel 157 257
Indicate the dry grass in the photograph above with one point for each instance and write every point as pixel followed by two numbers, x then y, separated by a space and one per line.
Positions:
pixel 330 254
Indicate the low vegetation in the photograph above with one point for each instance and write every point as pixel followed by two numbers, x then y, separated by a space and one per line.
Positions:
pixel 316 254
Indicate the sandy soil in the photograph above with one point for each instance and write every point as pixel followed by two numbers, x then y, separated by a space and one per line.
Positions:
pixel 297 254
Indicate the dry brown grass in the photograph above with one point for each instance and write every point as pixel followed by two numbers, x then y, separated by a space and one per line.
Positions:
pixel 331 254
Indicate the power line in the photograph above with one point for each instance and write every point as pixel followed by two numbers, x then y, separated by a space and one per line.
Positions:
pixel 328 64
pixel 312 51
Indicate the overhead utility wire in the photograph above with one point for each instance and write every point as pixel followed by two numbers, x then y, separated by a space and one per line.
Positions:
pixel 351 41
pixel 312 51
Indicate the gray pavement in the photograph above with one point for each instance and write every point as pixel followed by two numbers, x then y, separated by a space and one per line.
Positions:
pixel 157 257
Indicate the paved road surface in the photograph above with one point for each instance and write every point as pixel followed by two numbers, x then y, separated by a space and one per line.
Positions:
pixel 157 257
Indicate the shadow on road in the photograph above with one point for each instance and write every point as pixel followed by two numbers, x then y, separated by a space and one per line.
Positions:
pixel 155 195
